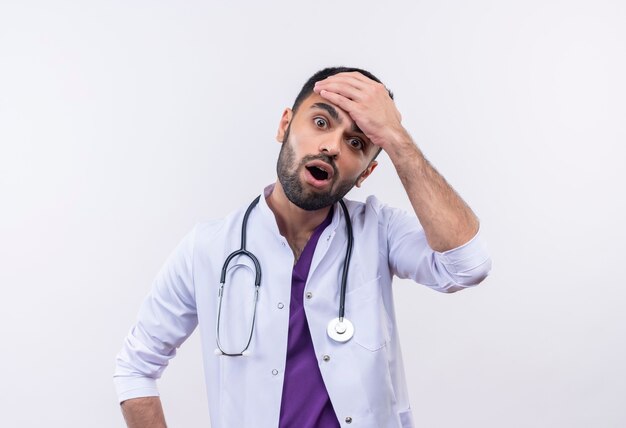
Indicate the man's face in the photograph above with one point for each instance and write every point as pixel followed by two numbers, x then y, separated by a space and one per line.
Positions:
pixel 324 154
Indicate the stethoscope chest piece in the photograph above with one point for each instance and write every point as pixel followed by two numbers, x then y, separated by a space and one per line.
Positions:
pixel 340 330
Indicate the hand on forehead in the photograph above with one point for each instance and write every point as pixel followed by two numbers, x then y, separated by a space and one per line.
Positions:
pixel 367 102
pixel 346 84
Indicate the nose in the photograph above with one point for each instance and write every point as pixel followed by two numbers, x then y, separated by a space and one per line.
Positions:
pixel 331 146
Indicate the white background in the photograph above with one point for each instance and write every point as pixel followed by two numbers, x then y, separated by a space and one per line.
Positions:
pixel 123 123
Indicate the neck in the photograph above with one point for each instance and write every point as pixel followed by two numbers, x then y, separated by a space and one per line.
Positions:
pixel 294 223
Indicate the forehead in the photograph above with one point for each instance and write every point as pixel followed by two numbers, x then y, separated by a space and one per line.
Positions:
pixel 315 103
pixel 313 99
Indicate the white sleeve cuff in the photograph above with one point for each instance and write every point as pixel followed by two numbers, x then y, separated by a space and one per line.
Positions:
pixel 468 264
pixel 128 387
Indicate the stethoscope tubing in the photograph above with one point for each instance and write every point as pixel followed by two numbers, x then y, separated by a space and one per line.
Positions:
pixel 346 263
pixel 257 281
pixel 242 250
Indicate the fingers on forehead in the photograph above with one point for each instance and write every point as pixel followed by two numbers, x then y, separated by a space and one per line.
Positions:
pixel 353 78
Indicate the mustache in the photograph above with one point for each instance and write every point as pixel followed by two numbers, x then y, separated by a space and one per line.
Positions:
pixel 324 158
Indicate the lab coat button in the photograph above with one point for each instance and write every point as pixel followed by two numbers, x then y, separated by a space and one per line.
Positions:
pixel 348 420
pixel 326 358
pixel 274 372
pixel 309 295
pixel 280 305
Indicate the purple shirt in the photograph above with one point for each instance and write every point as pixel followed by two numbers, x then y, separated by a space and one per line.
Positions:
pixel 305 402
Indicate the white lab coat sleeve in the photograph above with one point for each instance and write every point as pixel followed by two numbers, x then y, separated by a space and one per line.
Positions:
pixel 166 318
pixel 410 256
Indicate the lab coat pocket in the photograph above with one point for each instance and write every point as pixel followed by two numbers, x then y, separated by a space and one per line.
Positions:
pixel 364 307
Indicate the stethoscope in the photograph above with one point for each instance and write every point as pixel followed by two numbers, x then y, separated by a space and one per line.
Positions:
pixel 339 329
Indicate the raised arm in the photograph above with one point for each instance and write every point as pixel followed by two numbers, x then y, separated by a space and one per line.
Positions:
pixel 447 220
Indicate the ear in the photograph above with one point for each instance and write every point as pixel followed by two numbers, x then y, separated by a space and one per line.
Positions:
pixel 283 125
pixel 370 168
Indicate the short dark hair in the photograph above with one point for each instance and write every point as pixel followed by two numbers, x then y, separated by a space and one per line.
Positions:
pixel 307 89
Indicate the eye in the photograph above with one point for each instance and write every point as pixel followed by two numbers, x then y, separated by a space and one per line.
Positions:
pixel 320 122
pixel 356 143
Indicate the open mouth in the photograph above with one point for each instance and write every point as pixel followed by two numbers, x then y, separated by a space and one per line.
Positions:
pixel 317 172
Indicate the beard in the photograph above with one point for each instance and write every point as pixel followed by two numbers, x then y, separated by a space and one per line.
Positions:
pixel 293 187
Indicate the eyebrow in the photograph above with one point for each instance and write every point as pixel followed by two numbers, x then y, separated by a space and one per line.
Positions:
pixel 333 113
pixel 330 109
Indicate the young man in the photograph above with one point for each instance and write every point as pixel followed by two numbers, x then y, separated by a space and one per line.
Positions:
pixel 286 356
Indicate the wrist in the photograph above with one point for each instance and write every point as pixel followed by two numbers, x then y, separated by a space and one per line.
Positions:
pixel 401 148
